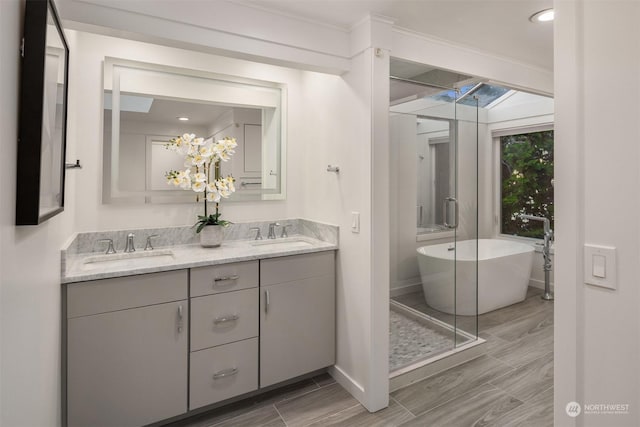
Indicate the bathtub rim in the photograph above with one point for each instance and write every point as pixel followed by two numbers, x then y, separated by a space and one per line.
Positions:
pixel 525 246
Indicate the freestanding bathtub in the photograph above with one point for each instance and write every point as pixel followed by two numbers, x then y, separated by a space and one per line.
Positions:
pixel 503 267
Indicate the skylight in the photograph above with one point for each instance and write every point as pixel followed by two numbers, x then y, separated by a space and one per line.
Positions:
pixel 133 103
pixel 485 93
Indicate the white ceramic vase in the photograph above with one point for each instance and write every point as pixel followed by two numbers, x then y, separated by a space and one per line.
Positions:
pixel 211 236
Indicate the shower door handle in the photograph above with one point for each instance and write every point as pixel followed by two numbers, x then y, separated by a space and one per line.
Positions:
pixel 445 212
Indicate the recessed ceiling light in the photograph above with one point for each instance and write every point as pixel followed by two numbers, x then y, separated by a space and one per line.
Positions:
pixel 183 119
pixel 542 16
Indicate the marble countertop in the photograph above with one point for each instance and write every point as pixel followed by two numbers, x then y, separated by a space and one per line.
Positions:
pixel 92 266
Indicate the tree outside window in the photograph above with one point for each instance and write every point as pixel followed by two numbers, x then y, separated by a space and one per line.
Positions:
pixel 526 182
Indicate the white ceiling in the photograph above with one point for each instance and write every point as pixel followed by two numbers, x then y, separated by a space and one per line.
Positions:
pixel 501 27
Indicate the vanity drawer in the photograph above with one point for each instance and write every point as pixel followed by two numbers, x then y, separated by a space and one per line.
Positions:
pixel 223 372
pixel 121 293
pixel 224 318
pixel 296 267
pixel 224 278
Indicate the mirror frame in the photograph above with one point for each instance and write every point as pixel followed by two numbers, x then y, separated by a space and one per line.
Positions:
pixel 112 195
pixel 32 99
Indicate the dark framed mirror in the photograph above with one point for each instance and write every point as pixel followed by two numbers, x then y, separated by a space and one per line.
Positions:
pixel 43 115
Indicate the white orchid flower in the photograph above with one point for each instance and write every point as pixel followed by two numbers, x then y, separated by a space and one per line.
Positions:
pixel 230 186
pixel 230 144
pixel 199 177
pixel 192 150
pixel 187 138
pixel 206 151
pixel 185 182
pixel 197 160
pixel 213 196
pixel 197 141
pixel 198 187
pixel 223 189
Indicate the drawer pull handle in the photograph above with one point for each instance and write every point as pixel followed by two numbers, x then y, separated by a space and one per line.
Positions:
pixel 225 373
pixel 180 319
pixel 266 301
pixel 225 319
pixel 225 278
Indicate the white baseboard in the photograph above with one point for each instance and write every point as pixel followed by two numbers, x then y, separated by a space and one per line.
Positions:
pixel 348 383
pixel 405 287
pixel 539 284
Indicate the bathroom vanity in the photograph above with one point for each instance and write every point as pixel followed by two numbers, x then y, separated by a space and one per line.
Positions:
pixel 145 347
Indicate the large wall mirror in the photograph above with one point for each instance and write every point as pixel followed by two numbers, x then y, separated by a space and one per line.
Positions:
pixel 145 105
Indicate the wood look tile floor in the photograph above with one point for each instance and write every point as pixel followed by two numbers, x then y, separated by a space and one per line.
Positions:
pixel 510 385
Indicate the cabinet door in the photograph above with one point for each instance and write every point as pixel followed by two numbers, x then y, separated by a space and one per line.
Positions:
pixel 129 367
pixel 297 328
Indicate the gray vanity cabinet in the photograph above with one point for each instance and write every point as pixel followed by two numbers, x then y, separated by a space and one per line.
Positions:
pixel 142 349
pixel 127 350
pixel 297 316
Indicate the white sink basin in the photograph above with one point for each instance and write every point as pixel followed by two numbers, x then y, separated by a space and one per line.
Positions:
pixel 130 259
pixel 288 242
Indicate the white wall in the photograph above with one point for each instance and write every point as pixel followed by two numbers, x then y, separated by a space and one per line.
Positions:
pixel 29 266
pixel 404 187
pixel 597 333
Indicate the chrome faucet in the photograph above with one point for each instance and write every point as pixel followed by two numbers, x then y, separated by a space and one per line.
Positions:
pixel 130 246
pixel 284 233
pixel 110 249
pixel 272 230
pixel 149 246
pixel 546 253
pixel 258 234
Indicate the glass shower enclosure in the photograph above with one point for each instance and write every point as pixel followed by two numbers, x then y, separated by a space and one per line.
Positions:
pixel 434 135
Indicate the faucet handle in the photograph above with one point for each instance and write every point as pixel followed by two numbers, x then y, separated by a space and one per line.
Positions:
pixel 110 249
pixel 272 230
pixel 258 233
pixel 130 247
pixel 149 246
pixel 284 231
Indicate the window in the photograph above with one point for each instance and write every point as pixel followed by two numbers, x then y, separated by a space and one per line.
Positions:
pixel 526 182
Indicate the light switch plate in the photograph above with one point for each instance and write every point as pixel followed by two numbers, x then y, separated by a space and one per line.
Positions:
pixel 355 222
pixel 600 266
